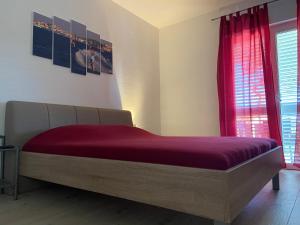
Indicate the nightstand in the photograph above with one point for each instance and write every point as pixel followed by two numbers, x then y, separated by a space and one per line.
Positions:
pixel 3 182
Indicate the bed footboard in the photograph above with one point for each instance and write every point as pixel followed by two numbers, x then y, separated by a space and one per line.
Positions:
pixel 213 194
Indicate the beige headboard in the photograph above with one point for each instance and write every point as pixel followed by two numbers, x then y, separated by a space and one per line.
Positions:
pixel 23 120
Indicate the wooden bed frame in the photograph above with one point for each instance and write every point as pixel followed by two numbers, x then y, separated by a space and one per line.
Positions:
pixel 214 194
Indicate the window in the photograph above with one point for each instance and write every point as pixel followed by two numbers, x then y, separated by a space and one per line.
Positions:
pixel 250 98
pixel 285 44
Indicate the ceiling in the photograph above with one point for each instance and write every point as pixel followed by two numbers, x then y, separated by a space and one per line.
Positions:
pixel 161 13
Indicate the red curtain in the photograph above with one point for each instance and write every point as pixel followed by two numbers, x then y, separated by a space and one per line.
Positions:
pixel 297 146
pixel 246 85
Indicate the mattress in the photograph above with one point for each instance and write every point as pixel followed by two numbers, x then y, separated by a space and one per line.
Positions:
pixel 137 145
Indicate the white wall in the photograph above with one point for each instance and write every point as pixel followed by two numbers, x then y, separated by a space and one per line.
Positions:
pixel 188 68
pixel 135 85
pixel 189 101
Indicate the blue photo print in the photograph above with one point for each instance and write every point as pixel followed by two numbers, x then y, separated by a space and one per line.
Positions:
pixel 78 48
pixel 61 42
pixel 42 36
pixel 93 53
pixel 106 57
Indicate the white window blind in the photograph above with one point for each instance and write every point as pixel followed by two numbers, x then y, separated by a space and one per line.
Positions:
pixel 287 70
pixel 250 98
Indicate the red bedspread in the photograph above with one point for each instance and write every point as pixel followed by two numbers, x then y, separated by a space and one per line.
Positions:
pixel 134 144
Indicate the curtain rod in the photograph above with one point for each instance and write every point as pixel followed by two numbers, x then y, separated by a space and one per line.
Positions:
pixel 214 19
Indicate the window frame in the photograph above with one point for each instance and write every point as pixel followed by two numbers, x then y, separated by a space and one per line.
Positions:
pixel 275 29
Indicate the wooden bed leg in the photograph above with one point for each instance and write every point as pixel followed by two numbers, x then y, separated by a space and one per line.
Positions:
pixel 275 182
pixel 220 223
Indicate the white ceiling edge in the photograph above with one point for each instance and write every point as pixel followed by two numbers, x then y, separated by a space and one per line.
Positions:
pixel 163 13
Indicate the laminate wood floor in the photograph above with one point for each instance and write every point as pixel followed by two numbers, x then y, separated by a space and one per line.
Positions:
pixel 57 205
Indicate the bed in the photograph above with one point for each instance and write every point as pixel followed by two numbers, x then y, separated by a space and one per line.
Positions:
pixel 179 183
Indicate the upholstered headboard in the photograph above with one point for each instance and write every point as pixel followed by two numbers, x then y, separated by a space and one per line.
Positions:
pixel 23 120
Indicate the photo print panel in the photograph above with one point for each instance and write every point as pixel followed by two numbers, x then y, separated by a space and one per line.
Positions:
pixel 42 36
pixel 78 48
pixel 61 42
pixel 93 53
pixel 106 57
